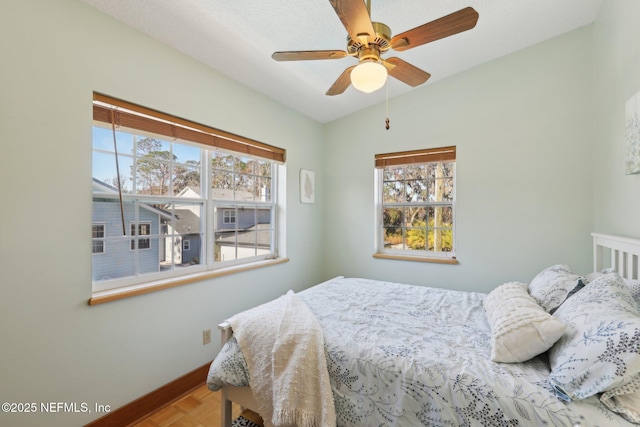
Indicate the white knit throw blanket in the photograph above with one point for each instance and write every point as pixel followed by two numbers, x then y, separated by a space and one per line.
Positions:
pixel 283 346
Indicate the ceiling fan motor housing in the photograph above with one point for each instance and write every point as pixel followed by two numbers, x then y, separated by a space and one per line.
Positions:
pixel 380 43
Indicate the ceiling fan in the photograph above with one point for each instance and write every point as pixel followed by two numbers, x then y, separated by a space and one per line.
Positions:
pixel 369 40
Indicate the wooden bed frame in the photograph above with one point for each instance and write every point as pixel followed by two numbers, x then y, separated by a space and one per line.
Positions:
pixel 621 253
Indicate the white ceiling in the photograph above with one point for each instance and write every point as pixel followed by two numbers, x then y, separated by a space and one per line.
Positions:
pixel 237 38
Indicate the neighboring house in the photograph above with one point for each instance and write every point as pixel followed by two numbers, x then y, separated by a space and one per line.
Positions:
pixel 113 252
pixel 188 228
pixel 241 218
pixel 255 240
pixel 240 232
pixel 189 241
pixel 188 225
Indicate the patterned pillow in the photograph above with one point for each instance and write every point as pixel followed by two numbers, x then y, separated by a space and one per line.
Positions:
pixel 625 400
pixel 552 286
pixel 632 284
pixel 593 276
pixel 634 287
pixel 520 328
pixel 600 349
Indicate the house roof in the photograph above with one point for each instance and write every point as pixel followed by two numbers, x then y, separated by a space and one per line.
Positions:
pixel 186 221
pixel 245 237
pixel 102 187
pixel 217 193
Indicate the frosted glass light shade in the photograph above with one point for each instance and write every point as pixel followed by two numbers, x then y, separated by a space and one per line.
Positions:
pixel 368 76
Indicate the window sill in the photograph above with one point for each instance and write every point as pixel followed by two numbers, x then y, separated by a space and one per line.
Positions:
pixel 102 297
pixel 416 258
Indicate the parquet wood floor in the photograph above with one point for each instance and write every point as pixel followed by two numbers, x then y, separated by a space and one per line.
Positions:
pixel 200 408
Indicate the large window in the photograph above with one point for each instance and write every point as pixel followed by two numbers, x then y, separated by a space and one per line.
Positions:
pixel 416 204
pixel 174 198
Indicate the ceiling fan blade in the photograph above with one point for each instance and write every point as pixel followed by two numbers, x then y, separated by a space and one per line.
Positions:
pixel 405 72
pixel 304 55
pixel 343 82
pixel 354 17
pixel 462 20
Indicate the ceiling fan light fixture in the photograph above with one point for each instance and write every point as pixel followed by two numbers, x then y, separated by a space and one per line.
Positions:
pixel 369 76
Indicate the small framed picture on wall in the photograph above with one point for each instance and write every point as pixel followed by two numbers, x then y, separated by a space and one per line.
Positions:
pixel 632 135
pixel 307 186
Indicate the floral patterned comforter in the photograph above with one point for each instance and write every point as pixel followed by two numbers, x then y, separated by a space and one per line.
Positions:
pixel 402 355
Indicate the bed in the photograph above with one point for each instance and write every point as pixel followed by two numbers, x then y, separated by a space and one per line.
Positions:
pixel 561 350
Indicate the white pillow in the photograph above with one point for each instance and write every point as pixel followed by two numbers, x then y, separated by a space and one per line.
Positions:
pixel 520 328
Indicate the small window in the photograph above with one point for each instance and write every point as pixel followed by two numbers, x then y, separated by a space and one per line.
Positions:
pixel 98 238
pixel 142 230
pixel 229 216
pixel 186 245
pixel 415 213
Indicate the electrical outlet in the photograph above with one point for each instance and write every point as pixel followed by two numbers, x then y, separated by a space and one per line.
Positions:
pixel 206 336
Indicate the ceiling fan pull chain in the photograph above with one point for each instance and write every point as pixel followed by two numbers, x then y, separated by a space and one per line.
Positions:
pixel 386 121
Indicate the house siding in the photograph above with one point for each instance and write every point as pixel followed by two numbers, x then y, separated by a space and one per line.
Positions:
pixel 244 219
pixel 118 258
pixel 192 255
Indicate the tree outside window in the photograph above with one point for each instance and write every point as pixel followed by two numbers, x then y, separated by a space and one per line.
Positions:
pixel 417 203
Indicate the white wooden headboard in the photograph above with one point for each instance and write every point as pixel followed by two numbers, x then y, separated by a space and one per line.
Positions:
pixel 621 253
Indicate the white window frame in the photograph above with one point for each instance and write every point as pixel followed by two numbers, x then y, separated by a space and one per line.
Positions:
pixel 99 239
pixel 207 204
pixel 224 206
pixel 381 251
pixel 229 216
pixel 135 228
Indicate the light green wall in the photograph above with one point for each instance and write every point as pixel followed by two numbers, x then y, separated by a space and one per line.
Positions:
pixel 55 348
pixel 522 126
pixel 532 183
pixel 617 78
